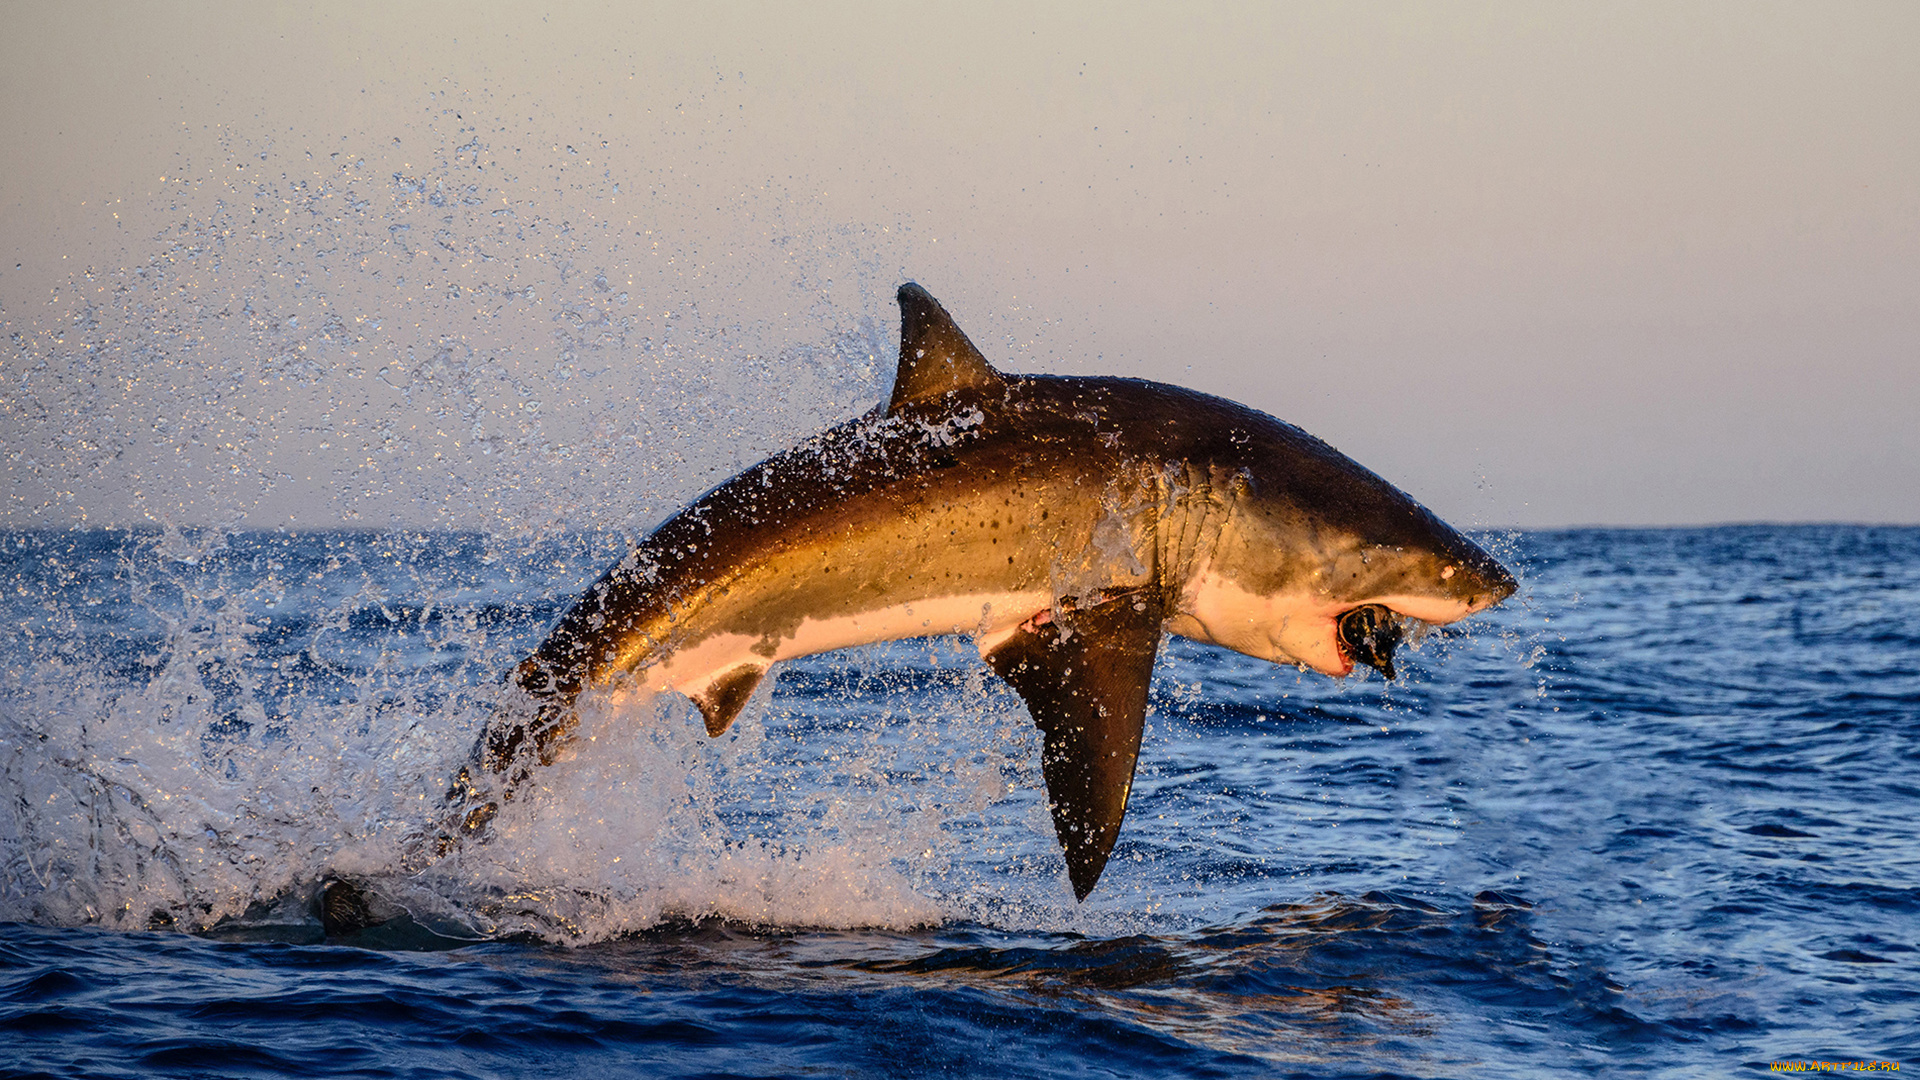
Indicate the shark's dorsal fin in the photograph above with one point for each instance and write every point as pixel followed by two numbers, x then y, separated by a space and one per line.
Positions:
pixel 935 357
pixel 1084 677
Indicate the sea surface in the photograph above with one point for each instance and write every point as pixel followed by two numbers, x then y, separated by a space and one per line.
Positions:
pixel 1658 815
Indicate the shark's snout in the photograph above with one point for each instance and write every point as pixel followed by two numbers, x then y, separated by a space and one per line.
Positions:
pixel 1480 581
pixel 1450 580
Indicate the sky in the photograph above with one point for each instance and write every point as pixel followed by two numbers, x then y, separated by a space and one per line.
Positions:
pixel 486 265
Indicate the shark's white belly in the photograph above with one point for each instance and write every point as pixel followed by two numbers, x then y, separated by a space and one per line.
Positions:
pixel 989 616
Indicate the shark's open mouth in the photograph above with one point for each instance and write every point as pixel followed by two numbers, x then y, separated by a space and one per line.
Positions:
pixel 1368 634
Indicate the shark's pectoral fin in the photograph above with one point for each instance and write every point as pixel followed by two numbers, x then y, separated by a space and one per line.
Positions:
pixel 725 696
pixel 1084 678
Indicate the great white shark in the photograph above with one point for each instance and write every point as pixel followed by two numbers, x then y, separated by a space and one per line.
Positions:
pixel 1065 523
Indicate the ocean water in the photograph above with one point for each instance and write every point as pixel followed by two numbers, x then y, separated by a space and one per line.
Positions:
pixel 1658 815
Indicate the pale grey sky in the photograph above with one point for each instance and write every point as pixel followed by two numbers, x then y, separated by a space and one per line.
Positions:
pixel 498 266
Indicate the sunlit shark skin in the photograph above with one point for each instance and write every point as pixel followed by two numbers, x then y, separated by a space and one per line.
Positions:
pixel 1064 523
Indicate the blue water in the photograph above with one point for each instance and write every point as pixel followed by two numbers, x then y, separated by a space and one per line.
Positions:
pixel 1658 815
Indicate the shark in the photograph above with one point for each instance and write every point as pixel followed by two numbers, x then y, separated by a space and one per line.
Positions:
pixel 1065 523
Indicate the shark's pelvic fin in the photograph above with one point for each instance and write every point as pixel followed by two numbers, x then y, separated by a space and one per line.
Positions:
pixel 935 357
pixel 722 701
pixel 1084 677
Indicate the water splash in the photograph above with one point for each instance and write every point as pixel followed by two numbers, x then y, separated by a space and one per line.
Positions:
pixel 201 724
pixel 463 325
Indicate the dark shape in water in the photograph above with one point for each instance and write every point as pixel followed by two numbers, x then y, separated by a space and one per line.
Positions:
pixel 343 908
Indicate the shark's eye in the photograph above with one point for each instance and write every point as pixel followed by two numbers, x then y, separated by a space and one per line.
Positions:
pixel 1369 634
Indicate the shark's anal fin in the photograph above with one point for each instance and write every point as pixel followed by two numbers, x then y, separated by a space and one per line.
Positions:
pixel 723 699
pixel 935 357
pixel 1084 678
